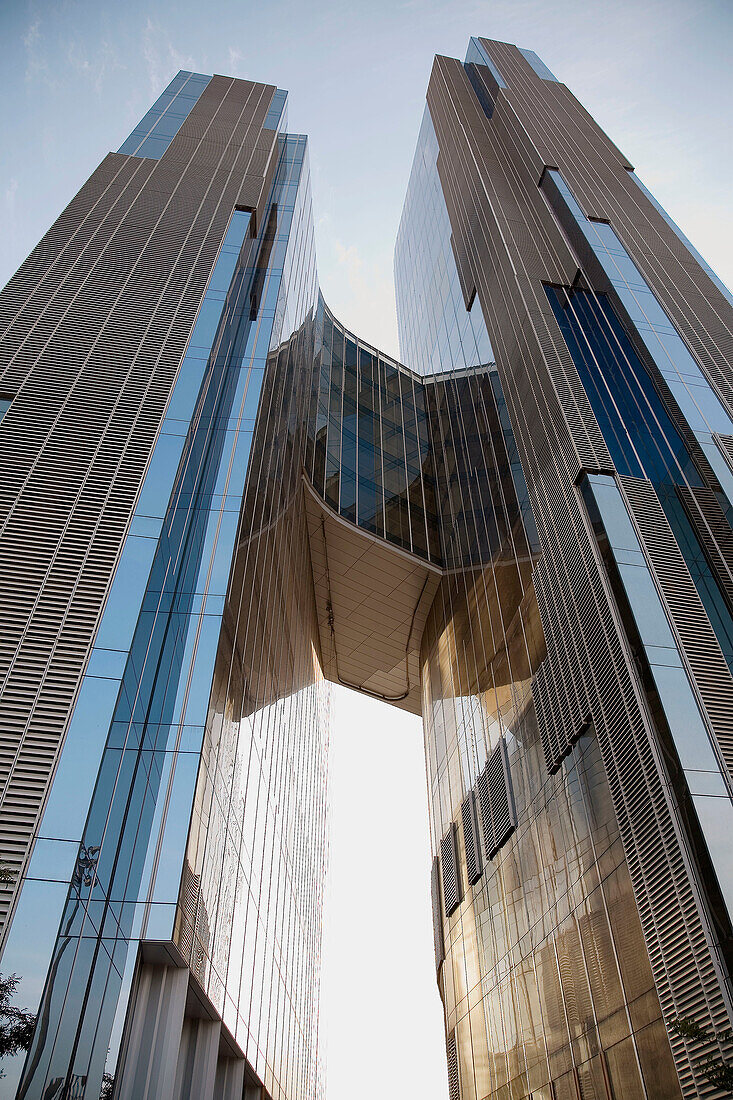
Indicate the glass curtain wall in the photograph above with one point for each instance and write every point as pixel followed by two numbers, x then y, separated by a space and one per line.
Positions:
pixel 370 454
pixel 249 917
pixel 239 768
pixel 522 1015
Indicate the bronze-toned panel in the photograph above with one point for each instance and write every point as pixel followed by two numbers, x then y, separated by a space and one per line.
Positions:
pixel 96 323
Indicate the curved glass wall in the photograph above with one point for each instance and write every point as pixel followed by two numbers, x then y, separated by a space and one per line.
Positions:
pixel 638 430
pixel 203 715
pixel 204 704
pixel 437 332
pixel 427 462
pixel 541 963
pixel 370 455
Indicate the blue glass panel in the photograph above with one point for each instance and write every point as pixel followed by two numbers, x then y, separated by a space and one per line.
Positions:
pixel 68 802
pixel 36 920
pixel 638 431
pixel 274 114
pixel 179 797
pixel 126 593
pixel 107 662
pixel 152 147
pixel 185 393
pixel 716 820
pixel 131 144
pixel 149 120
pixel 477 55
pixel 154 133
pixel 538 65
pixel 166 126
pixel 53 860
pixel 159 922
pixel 148 526
pixel 156 490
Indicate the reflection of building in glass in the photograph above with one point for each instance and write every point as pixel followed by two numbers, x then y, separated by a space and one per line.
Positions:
pixel 216 499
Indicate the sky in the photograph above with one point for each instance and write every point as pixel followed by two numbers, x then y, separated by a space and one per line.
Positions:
pixel 76 76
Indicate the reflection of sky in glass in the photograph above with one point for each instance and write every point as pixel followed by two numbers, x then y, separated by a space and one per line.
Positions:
pixel 638 430
pixel 154 133
pixel 151 670
pixel 695 749
pixel 437 333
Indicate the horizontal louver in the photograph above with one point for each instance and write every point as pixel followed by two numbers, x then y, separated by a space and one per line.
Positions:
pixel 438 942
pixel 454 1082
pixel 474 863
pixel 451 873
pixel 496 798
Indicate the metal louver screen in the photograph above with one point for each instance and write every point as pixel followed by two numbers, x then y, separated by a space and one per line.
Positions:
pixel 496 798
pixel 465 279
pixel 474 863
pixel 450 868
pixel 454 1082
pixel 725 443
pixel 438 942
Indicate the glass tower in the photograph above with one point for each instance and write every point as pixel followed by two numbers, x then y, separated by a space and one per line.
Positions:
pixel 216 500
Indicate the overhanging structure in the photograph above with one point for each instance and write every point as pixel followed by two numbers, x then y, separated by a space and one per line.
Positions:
pixel 216 499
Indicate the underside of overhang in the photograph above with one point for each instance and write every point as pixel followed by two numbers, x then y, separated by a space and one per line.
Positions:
pixel 372 600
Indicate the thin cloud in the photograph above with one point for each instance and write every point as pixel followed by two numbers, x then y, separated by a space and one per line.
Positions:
pixel 96 68
pixel 162 59
pixel 364 297
pixel 234 60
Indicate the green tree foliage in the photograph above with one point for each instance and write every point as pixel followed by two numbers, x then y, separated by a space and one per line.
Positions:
pixel 715 1070
pixel 16 1025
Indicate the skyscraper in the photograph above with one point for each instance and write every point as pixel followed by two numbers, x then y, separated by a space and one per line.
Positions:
pixel 216 500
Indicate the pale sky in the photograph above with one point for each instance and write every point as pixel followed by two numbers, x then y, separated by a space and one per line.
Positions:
pixel 76 76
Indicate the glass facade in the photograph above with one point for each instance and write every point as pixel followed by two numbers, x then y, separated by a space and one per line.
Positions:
pixel 525 1020
pixel 248 920
pixel 156 130
pixel 639 432
pixel 703 410
pixel 532 516
pixel 369 453
pixel 542 951
pixel 176 815
pixel 436 331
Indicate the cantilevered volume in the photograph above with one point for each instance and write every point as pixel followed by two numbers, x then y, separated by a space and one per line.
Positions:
pixel 216 500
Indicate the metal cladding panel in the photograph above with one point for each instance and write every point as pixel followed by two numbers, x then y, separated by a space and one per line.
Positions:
pixel 438 941
pixel 496 798
pixel 715 533
pixel 558 125
pixel 490 170
pixel 93 328
pixel 471 840
pixel 454 1079
pixel 468 286
pixel 451 871
pixel 685 608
